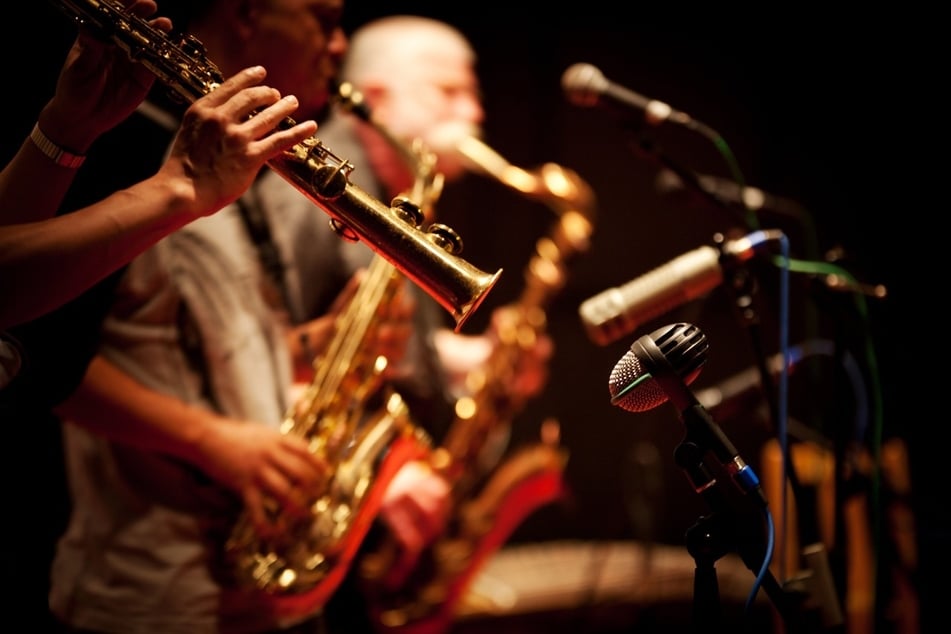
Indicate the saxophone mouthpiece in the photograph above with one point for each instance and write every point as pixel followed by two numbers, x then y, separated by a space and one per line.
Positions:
pixel 350 99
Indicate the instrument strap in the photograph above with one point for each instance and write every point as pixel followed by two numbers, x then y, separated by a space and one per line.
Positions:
pixel 260 232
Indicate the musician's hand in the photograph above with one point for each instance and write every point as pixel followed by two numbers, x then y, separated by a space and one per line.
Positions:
pixel 531 346
pixel 226 137
pixel 394 328
pixel 98 86
pixel 309 340
pixel 415 508
pixel 260 463
pixel 524 374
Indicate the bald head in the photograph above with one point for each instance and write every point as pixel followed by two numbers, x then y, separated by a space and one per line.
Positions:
pixel 388 49
pixel 417 76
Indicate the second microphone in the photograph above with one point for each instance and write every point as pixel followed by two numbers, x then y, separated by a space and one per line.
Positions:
pixel 618 311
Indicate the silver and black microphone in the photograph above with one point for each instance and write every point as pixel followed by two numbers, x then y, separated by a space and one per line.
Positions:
pixel 657 369
pixel 585 85
pixel 620 310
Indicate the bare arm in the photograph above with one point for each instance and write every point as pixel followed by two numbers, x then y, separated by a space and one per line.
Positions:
pixel 98 87
pixel 250 459
pixel 217 152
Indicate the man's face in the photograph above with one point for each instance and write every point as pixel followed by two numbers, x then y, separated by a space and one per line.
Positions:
pixel 300 42
pixel 435 92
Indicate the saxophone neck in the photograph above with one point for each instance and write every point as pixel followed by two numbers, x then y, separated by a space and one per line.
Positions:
pixel 564 190
pixel 560 188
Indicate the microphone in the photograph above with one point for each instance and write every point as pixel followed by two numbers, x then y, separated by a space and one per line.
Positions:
pixel 731 395
pixel 729 192
pixel 659 367
pixel 585 85
pixel 620 310
pixel 680 349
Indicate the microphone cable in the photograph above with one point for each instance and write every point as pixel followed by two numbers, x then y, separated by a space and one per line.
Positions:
pixel 839 279
pixel 781 427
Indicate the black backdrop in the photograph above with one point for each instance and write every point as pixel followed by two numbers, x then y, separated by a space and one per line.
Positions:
pixel 800 99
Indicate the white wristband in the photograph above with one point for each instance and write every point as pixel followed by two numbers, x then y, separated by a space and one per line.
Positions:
pixel 60 156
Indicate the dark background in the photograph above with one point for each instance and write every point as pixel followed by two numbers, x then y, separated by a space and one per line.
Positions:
pixel 807 104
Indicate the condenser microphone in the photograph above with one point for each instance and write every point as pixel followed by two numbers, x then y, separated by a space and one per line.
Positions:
pixel 620 310
pixel 585 85
pixel 657 369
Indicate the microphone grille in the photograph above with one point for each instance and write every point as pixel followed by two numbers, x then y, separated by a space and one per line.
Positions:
pixel 679 348
pixel 645 396
pixel 583 84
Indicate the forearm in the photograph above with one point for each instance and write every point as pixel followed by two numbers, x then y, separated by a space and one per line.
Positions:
pixel 112 404
pixel 254 460
pixel 65 255
pixel 32 186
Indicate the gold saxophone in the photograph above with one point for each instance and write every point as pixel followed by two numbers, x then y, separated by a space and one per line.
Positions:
pixel 490 405
pixel 308 555
pixel 429 257
pixel 490 499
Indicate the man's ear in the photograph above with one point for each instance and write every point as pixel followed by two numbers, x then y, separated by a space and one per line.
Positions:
pixel 374 95
pixel 242 16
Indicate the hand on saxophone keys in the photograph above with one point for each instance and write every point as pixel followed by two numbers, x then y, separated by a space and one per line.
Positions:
pixel 274 474
pixel 467 358
pixel 388 338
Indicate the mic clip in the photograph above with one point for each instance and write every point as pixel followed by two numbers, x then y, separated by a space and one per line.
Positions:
pixel 704 432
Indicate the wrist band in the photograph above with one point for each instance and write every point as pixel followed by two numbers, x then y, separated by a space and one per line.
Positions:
pixel 60 156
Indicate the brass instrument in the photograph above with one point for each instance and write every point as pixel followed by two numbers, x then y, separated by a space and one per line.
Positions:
pixel 483 516
pixel 304 554
pixel 429 257
pixel 427 183
pixel 331 414
pixel 490 405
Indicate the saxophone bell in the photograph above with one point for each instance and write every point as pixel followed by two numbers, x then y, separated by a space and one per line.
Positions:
pixel 458 287
pixel 428 257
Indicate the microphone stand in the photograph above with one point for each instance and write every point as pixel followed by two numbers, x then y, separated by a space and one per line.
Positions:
pixel 705 541
pixel 742 286
pixel 716 534
pixel 691 180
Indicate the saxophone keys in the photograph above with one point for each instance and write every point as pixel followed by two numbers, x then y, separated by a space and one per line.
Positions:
pixel 407 211
pixel 446 238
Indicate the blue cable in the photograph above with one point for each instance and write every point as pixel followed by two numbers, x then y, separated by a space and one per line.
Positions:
pixel 781 423
pixel 764 567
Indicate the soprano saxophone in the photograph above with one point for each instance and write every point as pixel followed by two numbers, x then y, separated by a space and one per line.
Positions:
pixel 489 499
pixel 428 256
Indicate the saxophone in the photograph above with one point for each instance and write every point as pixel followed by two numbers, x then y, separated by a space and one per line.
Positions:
pixel 490 406
pixel 308 556
pixel 428 256
pixel 489 499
